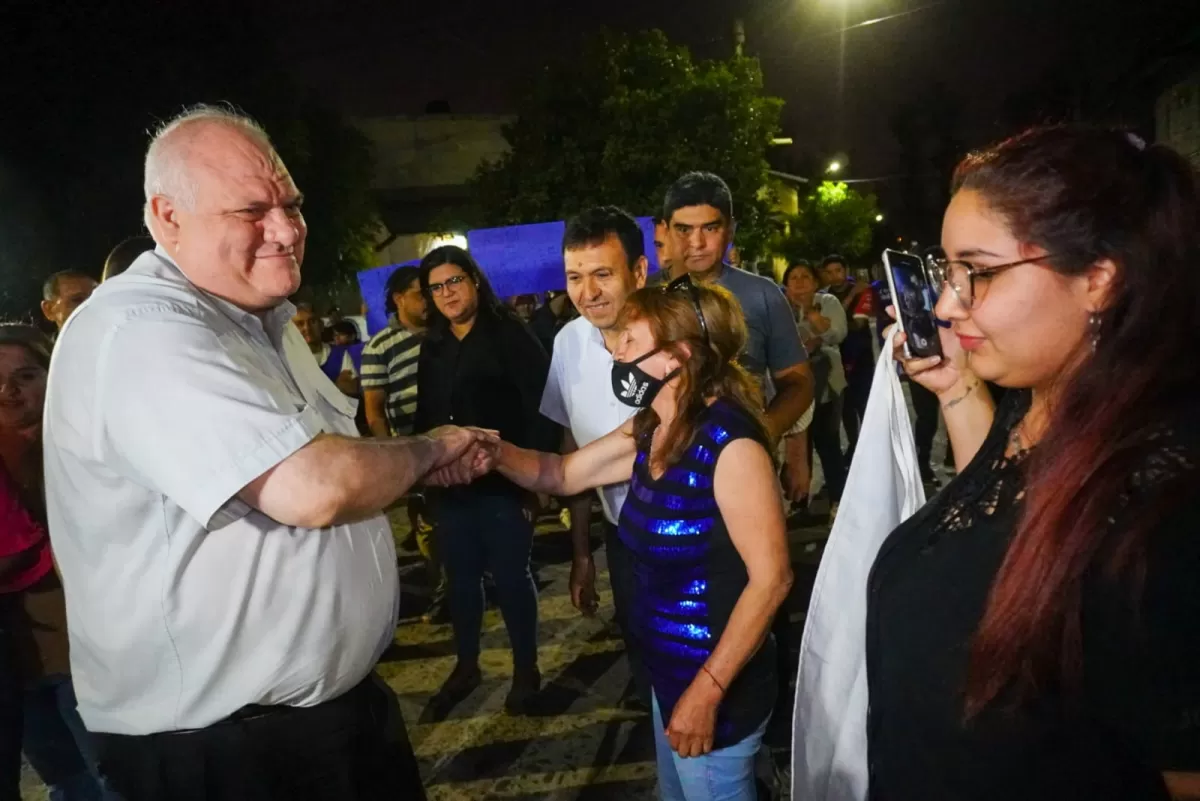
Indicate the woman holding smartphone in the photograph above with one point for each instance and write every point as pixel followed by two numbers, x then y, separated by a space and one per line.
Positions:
pixel 704 523
pixel 1034 631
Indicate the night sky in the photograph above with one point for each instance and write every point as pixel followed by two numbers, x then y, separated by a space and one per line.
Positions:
pixel 81 83
pixel 399 56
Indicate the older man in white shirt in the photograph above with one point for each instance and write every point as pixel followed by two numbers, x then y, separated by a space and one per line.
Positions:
pixel 605 261
pixel 230 579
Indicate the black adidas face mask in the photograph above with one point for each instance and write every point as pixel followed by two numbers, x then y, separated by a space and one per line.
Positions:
pixel 633 386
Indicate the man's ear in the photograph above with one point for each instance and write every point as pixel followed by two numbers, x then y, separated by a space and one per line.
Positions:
pixel 640 268
pixel 48 310
pixel 163 218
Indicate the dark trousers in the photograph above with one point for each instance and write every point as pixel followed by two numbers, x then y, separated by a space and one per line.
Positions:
pixel 925 404
pixel 854 400
pixel 11 716
pixel 825 437
pixel 489 532
pixel 620 577
pixel 353 748
pixel 57 745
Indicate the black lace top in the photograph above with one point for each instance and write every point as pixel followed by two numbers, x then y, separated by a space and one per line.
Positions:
pixel 1137 712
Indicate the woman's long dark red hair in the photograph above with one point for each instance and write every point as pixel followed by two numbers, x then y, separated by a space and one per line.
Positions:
pixel 1086 195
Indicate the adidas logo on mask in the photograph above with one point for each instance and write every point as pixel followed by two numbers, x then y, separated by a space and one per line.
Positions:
pixel 629 388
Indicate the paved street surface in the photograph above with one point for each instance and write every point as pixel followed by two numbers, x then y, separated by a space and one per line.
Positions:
pixel 579 744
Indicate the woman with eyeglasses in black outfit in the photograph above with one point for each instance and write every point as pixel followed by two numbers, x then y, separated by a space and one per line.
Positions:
pixel 481 366
pixel 1034 631
pixel 704 524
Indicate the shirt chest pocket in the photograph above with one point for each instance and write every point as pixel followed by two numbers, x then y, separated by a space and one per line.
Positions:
pixel 336 409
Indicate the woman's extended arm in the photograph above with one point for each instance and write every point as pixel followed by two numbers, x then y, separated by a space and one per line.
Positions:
pixel 608 460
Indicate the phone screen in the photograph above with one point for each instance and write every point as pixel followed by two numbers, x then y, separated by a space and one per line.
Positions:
pixel 914 299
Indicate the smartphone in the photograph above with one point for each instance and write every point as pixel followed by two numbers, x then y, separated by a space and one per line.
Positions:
pixel 914 297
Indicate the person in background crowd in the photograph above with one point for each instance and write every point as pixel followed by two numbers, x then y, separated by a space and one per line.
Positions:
pixel 334 360
pixel 389 382
pixel 699 211
pixel 822 323
pixel 1034 631
pixel 389 376
pixel 124 254
pixel 481 366
pixel 230 577
pixel 551 317
pixel 858 357
pixel 345 335
pixel 32 608
pixel 524 306
pixel 664 250
pixel 63 293
pixel 605 261
pixel 705 527
pixel 924 402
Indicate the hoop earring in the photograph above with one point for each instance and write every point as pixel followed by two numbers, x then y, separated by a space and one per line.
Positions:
pixel 1095 323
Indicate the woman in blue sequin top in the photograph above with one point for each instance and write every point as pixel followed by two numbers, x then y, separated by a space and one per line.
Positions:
pixel 704 523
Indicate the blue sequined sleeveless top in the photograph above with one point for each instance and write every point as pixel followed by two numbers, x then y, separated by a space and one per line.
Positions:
pixel 688 575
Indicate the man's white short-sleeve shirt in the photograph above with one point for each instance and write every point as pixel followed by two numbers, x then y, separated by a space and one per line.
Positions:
pixel 183 603
pixel 579 396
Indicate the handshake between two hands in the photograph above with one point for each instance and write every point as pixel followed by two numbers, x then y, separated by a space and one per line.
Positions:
pixel 469 454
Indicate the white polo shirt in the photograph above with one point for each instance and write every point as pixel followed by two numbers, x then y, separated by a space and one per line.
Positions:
pixel 183 603
pixel 579 396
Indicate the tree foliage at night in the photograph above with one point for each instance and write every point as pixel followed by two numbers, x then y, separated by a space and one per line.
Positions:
pixel 620 123
pixel 833 218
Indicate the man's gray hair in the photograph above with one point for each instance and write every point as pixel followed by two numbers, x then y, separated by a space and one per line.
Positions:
pixel 166 170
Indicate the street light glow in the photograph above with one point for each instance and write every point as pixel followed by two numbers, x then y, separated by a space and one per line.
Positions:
pixel 878 218
pixel 834 166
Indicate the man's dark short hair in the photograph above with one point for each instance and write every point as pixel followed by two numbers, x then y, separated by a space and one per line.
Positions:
pixel 832 258
pixel 595 225
pixel 346 328
pixel 124 254
pixel 399 282
pixel 50 288
pixel 699 189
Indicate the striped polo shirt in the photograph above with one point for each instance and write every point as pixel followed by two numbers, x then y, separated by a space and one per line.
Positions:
pixel 389 362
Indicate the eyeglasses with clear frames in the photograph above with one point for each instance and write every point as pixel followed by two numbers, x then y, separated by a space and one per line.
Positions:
pixel 960 276
pixel 437 289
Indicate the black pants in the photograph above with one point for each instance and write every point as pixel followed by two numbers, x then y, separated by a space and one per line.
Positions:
pixel 854 400
pixel 925 404
pixel 353 748
pixel 620 576
pixel 825 437
pixel 12 700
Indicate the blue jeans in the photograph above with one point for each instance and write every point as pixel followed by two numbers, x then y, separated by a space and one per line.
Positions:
pixel 726 774
pixel 489 532
pixel 58 746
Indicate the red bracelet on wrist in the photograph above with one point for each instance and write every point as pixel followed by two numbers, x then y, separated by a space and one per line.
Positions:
pixel 720 686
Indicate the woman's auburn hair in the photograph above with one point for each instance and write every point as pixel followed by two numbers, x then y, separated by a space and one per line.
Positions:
pixel 708 364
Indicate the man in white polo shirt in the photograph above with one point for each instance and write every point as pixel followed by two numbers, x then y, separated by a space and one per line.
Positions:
pixel 604 255
pixel 230 580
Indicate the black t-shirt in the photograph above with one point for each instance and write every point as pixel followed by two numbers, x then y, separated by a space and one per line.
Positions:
pixel 1137 711
pixel 492 378
pixel 688 575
